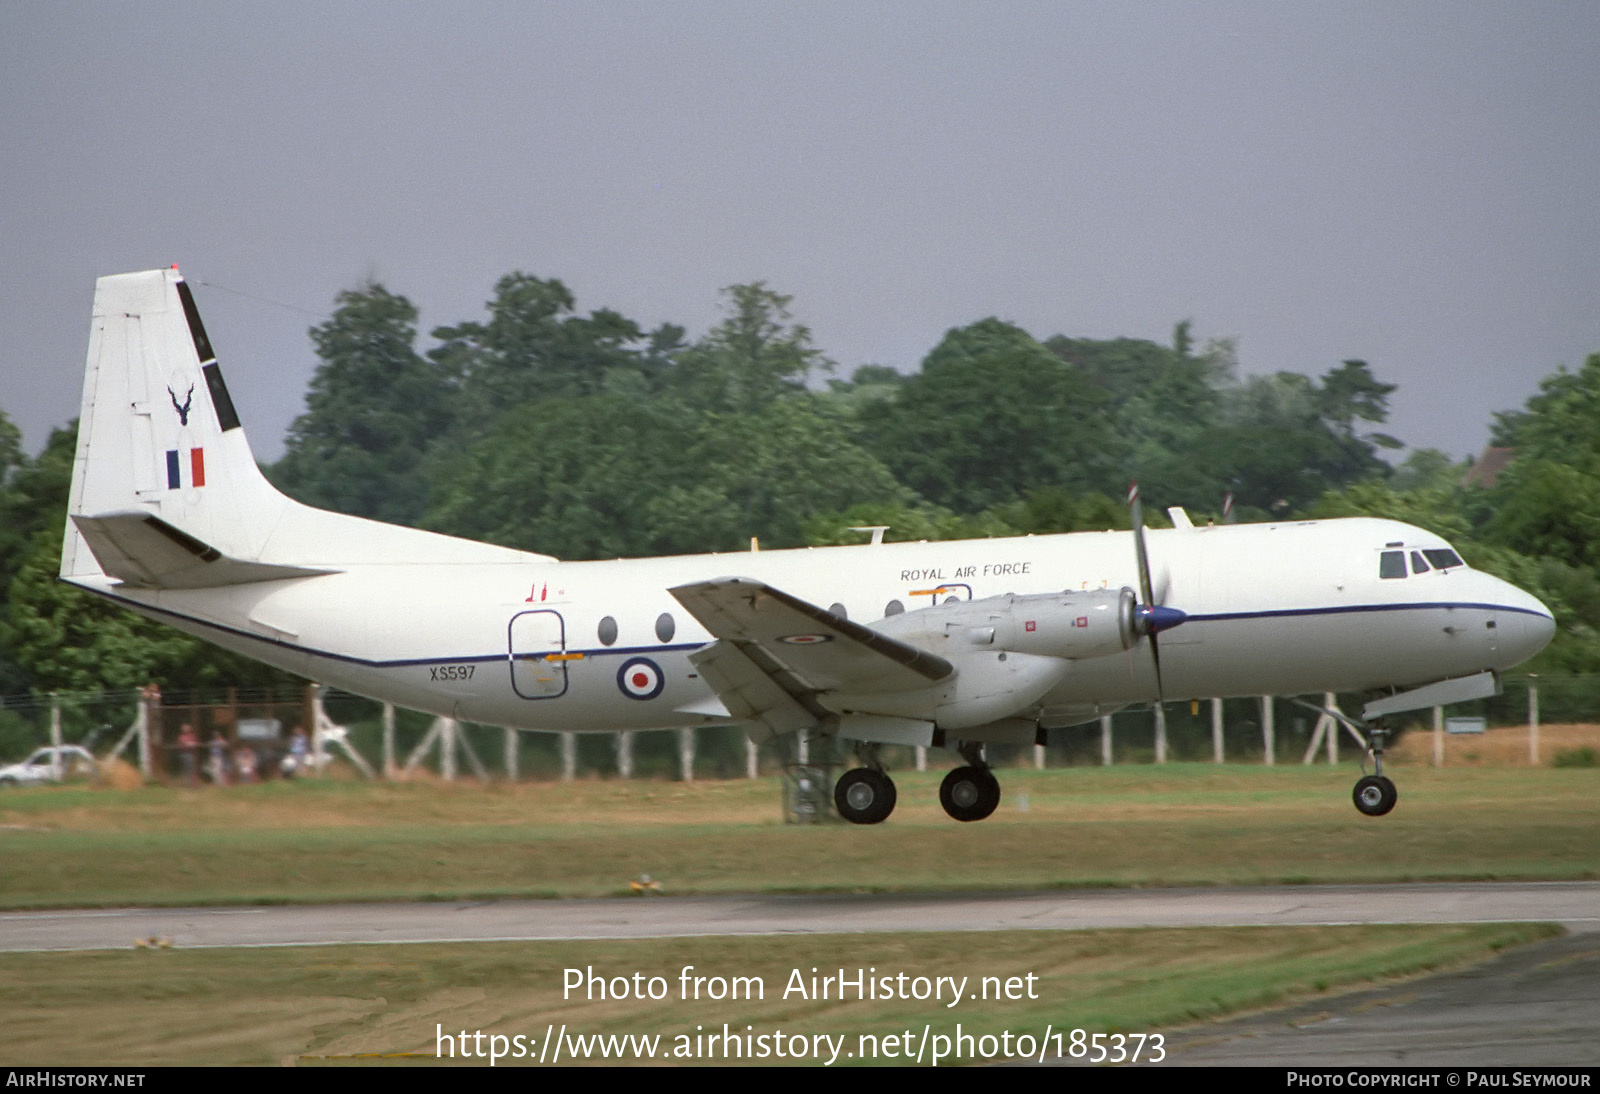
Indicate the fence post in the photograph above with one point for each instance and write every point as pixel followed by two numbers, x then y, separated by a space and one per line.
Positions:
pixel 55 736
pixel 751 758
pixel 1438 736
pixel 148 699
pixel 511 755
pixel 1329 700
pixel 1105 740
pixel 686 754
pixel 625 753
pixel 447 749
pixel 1268 732
pixel 1161 733
pixel 388 741
pixel 1533 720
pixel 1216 731
pixel 569 756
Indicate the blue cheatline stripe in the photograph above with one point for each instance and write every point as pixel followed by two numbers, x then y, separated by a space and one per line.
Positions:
pixel 173 481
pixel 683 646
pixel 1357 609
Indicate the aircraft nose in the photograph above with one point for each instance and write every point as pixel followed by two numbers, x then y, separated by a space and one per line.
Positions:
pixel 1525 627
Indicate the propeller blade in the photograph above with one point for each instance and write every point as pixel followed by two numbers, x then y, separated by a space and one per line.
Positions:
pixel 1137 508
pixel 1148 622
pixel 1155 658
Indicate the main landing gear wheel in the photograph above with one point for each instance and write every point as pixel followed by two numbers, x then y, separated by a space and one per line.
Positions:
pixel 864 796
pixel 1375 795
pixel 970 793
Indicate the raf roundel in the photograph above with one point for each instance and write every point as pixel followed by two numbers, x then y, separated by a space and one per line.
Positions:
pixel 640 678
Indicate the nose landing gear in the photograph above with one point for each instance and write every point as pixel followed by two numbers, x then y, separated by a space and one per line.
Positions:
pixel 1375 794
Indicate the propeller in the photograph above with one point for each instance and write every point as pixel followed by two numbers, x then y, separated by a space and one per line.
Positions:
pixel 1149 618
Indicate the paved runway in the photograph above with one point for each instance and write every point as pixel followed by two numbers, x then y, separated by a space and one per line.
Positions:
pixel 1537 1005
pixel 1576 905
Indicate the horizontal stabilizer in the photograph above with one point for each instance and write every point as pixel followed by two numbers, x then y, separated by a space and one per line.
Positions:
pixel 146 552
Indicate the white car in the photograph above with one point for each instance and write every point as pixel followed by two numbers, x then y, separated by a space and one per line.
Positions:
pixel 42 767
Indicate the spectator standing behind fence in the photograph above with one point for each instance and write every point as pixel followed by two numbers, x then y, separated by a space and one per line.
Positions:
pixel 217 766
pixel 244 764
pixel 188 749
pixel 299 756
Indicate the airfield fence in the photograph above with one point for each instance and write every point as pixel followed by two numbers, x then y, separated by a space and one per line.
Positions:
pixel 264 718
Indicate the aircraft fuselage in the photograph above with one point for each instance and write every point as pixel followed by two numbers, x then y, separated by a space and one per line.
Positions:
pixel 1271 609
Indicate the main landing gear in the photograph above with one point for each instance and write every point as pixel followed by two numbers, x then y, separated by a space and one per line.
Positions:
pixel 1375 794
pixel 972 792
pixel 866 795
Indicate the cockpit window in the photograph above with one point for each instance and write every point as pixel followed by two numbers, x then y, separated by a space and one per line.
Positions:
pixel 1443 558
pixel 1392 564
pixel 1417 565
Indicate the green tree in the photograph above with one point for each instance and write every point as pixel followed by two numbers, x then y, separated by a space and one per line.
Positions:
pixel 1547 501
pixel 606 476
pixel 752 357
pixel 1350 393
pixel 1280 442
pixel 535 346
pixel 374 409
pixel 574 477
pixel 766 474
pixel 1561 423
pixel 991 414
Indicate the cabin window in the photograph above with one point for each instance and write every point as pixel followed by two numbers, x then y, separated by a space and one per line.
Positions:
pixel 607 631
pixel 666 626
pixel 1443 558
pixel 838 609
pixel 894 607
pixel 1392 564
pixel 1417 565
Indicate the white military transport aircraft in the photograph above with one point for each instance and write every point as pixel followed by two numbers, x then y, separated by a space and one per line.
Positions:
pixel 956 644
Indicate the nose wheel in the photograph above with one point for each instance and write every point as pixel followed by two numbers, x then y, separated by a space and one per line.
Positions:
pixel 970 793
pixel 864 796
pixel 1375 794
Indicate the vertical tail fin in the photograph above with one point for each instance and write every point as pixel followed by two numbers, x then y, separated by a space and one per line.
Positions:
pixel 158 434
pixel 165 490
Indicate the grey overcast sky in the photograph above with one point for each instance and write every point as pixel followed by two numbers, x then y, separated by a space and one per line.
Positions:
pixel 1416 184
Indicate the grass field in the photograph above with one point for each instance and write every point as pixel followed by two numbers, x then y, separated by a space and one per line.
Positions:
pixel 366 1004
pixel 1179 824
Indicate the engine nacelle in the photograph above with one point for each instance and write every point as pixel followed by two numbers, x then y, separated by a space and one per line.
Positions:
pixel 1070 625
pixel 1008 652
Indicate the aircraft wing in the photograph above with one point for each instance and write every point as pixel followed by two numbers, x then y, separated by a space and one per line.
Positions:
pixel 799 648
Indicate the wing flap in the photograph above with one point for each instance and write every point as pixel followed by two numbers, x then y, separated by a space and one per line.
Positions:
pixel 751 693
pixel 145 551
